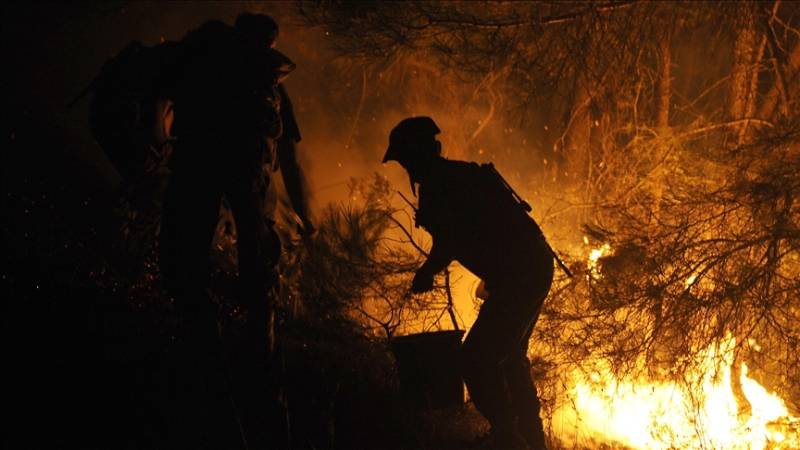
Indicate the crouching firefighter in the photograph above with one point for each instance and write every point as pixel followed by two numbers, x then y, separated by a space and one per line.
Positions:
pixel 476 219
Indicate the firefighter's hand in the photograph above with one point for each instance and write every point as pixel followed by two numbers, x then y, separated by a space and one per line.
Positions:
pixel 306 229
pixel 423 282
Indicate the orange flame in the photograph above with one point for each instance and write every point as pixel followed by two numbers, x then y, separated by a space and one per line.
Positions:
pixel 698 412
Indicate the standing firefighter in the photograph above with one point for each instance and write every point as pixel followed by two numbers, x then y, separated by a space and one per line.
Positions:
pixel 476 219
pixel 232 118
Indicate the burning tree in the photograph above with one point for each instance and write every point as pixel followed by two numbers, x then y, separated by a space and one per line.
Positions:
pixel 683 175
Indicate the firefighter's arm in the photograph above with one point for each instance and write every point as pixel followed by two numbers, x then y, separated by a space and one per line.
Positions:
pixel 295 181
pixel 438 259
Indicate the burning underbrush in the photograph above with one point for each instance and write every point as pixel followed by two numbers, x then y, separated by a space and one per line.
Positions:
pixel 682 331
pixel 694 410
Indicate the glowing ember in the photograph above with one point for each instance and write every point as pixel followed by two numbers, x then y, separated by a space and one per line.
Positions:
pixel 594 256
pixel 690 281
pixel 698 412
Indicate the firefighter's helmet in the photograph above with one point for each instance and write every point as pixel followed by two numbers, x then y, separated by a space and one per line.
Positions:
pixel 406 134
pixel 257 27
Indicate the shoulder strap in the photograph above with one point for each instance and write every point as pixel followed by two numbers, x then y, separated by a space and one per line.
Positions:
pixel 522 203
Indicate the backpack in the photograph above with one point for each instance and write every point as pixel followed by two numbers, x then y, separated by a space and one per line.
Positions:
pixel 129 109
pixel 504 198
pixel 507 197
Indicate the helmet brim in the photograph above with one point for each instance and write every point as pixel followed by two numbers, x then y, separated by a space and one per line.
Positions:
pixel 391 154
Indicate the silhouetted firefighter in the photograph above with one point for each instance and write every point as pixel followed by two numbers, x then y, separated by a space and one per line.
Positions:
pixel 476 219
pixel 231 119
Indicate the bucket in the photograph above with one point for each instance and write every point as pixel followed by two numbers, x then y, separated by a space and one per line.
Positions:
pixel 428 368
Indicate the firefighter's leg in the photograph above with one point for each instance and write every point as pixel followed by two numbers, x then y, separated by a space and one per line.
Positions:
pixel 531 290
pixel 259 249
pixel 257 380
pixel 198 390
pixel 189 218
pixel 524 396
pixel 492 339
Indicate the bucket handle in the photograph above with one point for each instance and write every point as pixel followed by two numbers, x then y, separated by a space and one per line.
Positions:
pixel 451 308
